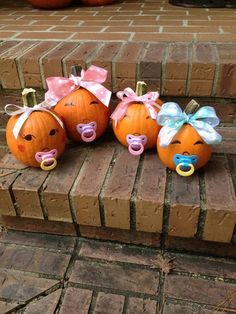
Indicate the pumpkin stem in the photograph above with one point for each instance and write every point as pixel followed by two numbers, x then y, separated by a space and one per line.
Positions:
pixel 29 97
pixel 76 70
pixel 141 88
pixel 191 107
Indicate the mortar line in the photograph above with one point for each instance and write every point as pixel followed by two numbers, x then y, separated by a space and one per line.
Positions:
pixel 203 208
pixel 93 302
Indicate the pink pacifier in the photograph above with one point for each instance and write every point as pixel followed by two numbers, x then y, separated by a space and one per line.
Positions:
pixel 47 159
pixel 87 131
pixel 136 144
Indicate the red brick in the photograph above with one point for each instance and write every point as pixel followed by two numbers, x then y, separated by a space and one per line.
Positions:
pixel 8 67
pixel 150 198
pixel 118 253
pixel 37 225
pixel 101 36
pixel 200 88
pixel 104 58
pixel 151 61
pixel 226 147
pixel 141 306
pixel 10 162
pixel 118 192
pixel 41 240
pixel 125 236
pixel 59 183
pixel 113 276
pixel 220 202
pixel 85 192
pixel 7 45
pixel 44 35
pixel 174 88
pixel 161 37
pixel 205 266
pixel 7 177
pixel 26 189
pixel 176 66
pixel 52 61
pixel 201 291
pixel 6 307
pixel 34 260
pixel 185 206
pixel 76 299
pixel 46 305
pixel 201 246
pixel 203 62
pixel 170 308
pixel 109 303
pixel 126 60
pixel 30 65
pixel 79 56
pixel 20 287
pixel 7 35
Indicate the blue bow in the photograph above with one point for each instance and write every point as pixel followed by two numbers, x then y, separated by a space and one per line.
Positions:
pixel 172 118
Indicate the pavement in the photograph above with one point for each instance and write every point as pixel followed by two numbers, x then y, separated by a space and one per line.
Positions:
pixel 47 274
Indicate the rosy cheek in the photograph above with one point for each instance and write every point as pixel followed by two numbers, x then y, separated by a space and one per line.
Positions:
pixel 21 148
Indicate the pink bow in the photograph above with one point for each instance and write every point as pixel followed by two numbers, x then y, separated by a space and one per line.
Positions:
pixel 91 79
pixel 128 95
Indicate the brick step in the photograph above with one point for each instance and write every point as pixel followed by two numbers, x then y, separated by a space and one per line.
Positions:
pixel 175 69
pixel 102 191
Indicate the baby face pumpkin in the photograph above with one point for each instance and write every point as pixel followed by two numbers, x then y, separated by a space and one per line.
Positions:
pixel 186 142
pixel 137 122
pixel 41 132
pixel 80 109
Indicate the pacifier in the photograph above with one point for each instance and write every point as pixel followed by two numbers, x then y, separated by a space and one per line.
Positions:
pixel 87 131
pixel 185 164
pixel 136 144
pixel 47 159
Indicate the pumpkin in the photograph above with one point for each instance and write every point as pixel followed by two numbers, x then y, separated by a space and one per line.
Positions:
pixel 50 4
pixel 84 115
pixel 41 139
pixel 137 130
pixel 96 2
pixel 187 151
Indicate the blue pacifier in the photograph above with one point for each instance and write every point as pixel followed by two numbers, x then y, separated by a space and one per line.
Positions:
pixel 185 164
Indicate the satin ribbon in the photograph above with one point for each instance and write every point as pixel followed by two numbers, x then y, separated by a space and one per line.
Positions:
pixel 128 96
pixel 25 112
pixel 91 79
pixel 172 118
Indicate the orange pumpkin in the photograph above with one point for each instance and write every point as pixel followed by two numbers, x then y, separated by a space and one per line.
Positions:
pixel 186 142
pixel 50 4
pixel 96 2
pixel 40 136
pixel 137 123
pixel 180 143
pixel 85 117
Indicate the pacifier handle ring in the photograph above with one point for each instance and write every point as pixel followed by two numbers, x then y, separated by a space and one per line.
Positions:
pixel 136 152
pixel 184 173
pixel 45 161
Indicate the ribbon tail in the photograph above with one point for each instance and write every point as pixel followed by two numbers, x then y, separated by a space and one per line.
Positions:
pixel 120 111
pixel 166 135
pixel 19 123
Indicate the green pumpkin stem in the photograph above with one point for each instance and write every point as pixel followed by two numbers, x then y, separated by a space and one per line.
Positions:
pixel 191 107
pixel 29 97
pixel 141 88
pixel 76 70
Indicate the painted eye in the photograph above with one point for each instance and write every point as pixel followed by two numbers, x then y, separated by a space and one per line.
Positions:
pixel 198 142
pixel 69 104
pixel 28 137
pixel 94 102
pixel 52 132
pixel 175 142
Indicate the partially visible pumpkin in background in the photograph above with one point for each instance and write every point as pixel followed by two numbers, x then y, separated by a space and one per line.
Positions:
pixel 96 2
pixel 50 4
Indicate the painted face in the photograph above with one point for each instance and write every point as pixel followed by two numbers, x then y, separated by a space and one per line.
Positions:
pixel 187 142
pixel 41 133
pixel 85 117
pixel 137 130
